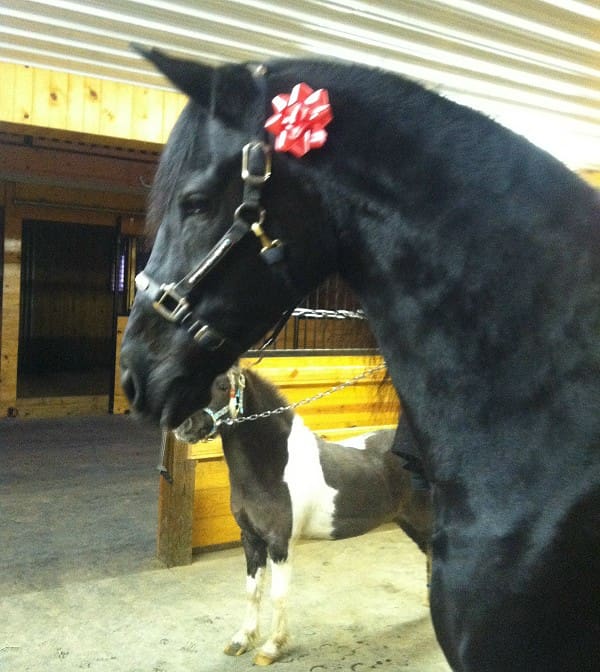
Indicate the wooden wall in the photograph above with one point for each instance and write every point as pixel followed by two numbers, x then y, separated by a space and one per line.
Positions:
pixel 11 286
pixel 87 105
pixel 59 180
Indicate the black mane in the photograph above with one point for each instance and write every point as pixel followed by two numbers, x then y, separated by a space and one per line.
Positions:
pixel 383 118
pixel 186 147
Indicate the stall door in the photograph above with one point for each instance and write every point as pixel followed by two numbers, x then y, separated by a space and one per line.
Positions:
pixel 66 331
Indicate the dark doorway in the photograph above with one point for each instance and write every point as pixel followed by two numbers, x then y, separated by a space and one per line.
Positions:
pixel 66 336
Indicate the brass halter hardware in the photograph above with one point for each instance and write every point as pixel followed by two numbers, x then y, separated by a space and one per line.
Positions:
pixel 253 178
pixel 265 241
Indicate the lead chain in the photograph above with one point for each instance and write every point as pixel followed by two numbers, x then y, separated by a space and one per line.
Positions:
pixel 290 407
pixel 338 314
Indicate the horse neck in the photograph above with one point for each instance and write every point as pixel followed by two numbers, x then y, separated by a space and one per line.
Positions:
pixel 454 264
pixel 258 449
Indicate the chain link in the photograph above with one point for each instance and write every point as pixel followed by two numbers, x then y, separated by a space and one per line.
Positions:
pixel 290 407
pixel 322 313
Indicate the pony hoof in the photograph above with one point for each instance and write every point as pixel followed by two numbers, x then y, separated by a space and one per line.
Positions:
pixel 235 649
pixel 262 659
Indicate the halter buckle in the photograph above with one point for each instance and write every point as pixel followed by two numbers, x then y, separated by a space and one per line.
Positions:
pixel 170 304
pixel 252 178
pixel 208 337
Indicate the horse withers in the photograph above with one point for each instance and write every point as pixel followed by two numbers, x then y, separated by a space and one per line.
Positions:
pixel 476 257
pixel 288 484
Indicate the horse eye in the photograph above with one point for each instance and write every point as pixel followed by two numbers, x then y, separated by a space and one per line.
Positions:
pixel 223 386
pixel 195 204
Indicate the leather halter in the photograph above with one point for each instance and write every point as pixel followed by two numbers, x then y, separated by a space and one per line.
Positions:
pixel 175 301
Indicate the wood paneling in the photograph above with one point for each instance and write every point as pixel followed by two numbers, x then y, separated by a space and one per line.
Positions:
pixel 11 287
pixel 591 176
pixel 212 522
pixel 66 101
pixel 61 407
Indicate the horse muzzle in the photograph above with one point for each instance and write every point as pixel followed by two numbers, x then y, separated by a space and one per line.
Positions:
pixel 164 392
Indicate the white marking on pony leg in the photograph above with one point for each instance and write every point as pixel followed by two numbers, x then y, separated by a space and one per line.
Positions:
pixel 246 637
pixel 272 649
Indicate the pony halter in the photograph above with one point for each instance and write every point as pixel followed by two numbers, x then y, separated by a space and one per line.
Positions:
pixel 174 301
pixel 232 411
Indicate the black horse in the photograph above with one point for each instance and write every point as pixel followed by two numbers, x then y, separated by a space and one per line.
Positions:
pixel 289 484
pixel 477 260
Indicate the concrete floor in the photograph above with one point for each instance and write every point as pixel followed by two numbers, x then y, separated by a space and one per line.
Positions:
pixel 81 589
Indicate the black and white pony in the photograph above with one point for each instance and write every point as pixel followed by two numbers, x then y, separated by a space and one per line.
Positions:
pixel 288 484
pixel 476 257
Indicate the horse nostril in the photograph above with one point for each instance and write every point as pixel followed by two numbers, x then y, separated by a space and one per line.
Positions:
pixel 130 387
pixel 186 425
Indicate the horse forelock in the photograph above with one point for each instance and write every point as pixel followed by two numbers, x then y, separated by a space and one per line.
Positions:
pixel 186 148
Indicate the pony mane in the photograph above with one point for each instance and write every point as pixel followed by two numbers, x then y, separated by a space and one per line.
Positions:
pixel 266 393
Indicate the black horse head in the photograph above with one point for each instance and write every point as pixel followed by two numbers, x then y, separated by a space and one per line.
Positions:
pixel 230 243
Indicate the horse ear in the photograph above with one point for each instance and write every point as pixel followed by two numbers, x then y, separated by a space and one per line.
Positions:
pixel 190 77
pixel 224 91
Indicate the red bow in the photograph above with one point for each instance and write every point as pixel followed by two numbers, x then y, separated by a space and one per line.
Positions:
pixel 300 119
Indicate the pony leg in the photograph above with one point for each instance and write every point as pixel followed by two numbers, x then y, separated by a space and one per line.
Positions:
pixel 272 649
pixel 256 561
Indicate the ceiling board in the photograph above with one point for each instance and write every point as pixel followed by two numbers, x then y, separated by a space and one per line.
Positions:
pixel 532 64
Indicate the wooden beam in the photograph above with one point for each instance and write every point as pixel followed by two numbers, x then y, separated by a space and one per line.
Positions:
pixel 68 164
pixel 176 505
pixel 97 107
pixel 11 297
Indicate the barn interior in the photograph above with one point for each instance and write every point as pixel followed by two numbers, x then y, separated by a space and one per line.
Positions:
pixel 105 564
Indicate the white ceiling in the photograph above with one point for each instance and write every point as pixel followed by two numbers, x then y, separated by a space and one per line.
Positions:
pixel 532 64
